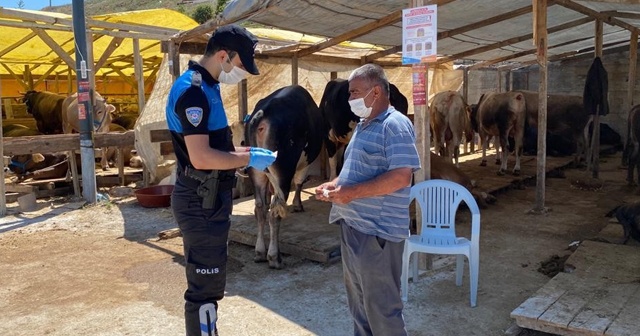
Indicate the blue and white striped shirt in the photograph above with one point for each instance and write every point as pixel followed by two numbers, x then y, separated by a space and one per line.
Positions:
pixel 388 142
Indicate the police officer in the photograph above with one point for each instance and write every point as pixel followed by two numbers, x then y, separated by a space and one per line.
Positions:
pixel 202 200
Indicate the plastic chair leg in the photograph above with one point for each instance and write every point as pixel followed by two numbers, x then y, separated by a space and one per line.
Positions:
pixel 414 268
pixel 474 267
pixel 404 278
pixel 459 269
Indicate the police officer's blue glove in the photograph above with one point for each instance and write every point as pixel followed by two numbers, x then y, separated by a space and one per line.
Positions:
pixel 260 158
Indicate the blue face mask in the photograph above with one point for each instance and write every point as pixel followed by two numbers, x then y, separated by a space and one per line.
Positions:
pixel 359 108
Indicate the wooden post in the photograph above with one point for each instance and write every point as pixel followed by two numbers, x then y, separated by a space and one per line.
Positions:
pixel 57 83
pixel 243 103
pixel 631 85
pixel 465 96
pixel 3 189
pixel 595 137
pixel 69 81
pixel 137 63
pixel 28 79
pixel 294 70
pixel 509 80
pixel 540 15
pixel 423 142
pixel 499 74
pixel 174 60
pixel 333 75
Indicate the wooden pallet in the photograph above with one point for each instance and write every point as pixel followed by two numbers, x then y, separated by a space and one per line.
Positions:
pixel 601 296
pixel 307 235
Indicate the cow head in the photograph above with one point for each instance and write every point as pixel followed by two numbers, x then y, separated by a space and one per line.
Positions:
pixel 27 99
pixel 102 114
pixel 21 164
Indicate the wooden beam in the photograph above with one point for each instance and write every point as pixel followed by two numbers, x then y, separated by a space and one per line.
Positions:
pixel 522 53
pixel 363 30
pixel 16 14
pixel 16 77
pixel 574 54
pixel 46 74
pixel 484 23
pixel 54 46
pixel 624 15
pixel 113 45
pixel 125 77
pixel 383 53
pixel 512 40
pixel 125 34
pixel 595 14
pixel 63 142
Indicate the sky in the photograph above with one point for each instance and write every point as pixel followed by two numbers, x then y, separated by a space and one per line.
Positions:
pixel 33 4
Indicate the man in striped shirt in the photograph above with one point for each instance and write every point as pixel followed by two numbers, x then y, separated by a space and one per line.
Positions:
pixel 371 204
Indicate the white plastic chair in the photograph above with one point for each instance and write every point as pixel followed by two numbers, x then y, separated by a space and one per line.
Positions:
pixel 439 201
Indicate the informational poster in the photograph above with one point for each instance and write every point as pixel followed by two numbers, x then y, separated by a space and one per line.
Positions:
pixel 419 34
pixel 419 85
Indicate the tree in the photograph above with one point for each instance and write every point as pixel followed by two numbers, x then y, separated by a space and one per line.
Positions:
pixel 20 4
pixel 220 6
pixel 202 14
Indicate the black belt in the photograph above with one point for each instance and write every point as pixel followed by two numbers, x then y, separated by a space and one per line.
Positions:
pixel 227 179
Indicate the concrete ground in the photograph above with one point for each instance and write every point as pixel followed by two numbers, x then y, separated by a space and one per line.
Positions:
pixel 101 270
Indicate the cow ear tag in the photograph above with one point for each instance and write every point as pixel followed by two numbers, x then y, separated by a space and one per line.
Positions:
pixel 246 119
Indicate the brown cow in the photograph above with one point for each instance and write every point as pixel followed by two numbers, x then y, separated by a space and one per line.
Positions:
pixel 566 117
pixel 449 119
pixel 445 170
pixel 39 166
pixel 101 118
pixel 501 115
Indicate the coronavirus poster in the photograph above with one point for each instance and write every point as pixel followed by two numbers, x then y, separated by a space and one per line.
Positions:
pixel 419 34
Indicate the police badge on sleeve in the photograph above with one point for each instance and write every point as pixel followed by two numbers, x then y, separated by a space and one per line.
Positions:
pixel 194 115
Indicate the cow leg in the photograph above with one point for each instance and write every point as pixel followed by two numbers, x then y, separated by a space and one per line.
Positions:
pixel 104 160
pixel 485 143
pixel 496 146
pixel 73 173
pixel 298 179
pixel 519 134
pixel 504 142
pixel 455 144
pixel 278 210
pixel 261 196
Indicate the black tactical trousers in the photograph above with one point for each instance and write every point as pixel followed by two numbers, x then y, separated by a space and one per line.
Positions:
pixel 204 235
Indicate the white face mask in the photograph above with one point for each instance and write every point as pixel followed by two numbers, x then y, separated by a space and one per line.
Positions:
pixel 359 108
pixel 234 76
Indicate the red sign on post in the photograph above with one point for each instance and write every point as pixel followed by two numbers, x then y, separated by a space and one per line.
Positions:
pixel 82 112
pixel 419 85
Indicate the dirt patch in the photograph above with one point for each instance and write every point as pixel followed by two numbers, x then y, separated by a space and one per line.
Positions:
pixel 70 269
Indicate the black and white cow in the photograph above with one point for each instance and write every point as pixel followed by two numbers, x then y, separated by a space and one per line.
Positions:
pixel 341 121
pixel 287 121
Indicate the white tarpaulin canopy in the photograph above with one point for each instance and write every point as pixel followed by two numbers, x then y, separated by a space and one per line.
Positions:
pixel 477 30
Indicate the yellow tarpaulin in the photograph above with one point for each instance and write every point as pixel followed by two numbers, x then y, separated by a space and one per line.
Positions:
pixel 18 49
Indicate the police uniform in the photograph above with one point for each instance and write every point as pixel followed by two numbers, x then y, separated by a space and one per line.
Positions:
pixel 195 107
